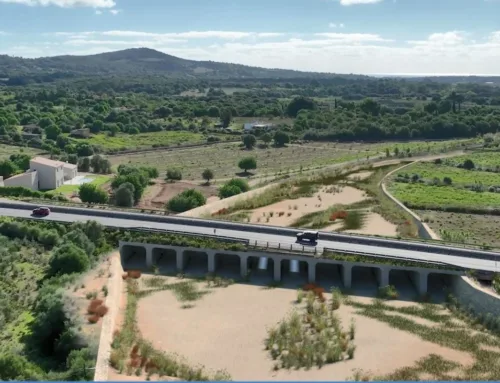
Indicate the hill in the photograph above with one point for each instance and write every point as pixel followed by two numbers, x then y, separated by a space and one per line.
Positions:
pixel 137 61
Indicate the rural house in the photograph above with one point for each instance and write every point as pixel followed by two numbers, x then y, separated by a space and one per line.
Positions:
pixel 70 171
pixel 27 180
pixel 251 126
pixel 50 173
pixel 80 133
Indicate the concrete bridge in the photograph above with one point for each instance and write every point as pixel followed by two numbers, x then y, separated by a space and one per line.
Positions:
pixel 277 266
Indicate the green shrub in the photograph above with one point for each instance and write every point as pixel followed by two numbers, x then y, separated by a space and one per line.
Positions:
pixel 68 259
pixel 187 200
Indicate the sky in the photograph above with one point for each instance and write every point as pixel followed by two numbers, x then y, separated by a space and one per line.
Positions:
pixel 338 36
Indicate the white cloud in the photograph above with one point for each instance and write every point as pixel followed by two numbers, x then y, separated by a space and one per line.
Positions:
pixel 356 2
pixel 352 37
pixel 115 11
pixel 64 3
pixel 440 39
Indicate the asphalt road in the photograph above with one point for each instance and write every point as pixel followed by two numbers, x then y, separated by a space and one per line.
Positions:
pixel 465 262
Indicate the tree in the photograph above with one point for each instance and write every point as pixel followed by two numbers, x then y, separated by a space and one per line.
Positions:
pixel 239 183
pixel 22 161
pixel 173 175
pixel 68 259
pixel 92 194
pixel 249 140
pixel 226 117
pixel 52 131
pixel 298 104
pixel 7 168
pixel 247 163
pixel 227 191
pixel 369 106
pixel 266 138
pixel 124 195
pixel 468 164
pixel 84 164
pixel 97 126
pixel 447 181
pixel 187 200
pixel 79 239
pixel 208 175
pixel 281 138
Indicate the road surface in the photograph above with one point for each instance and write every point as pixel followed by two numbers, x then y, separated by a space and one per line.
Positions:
pixel 381 251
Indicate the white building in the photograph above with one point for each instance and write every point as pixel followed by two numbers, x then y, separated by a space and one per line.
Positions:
pixel 251 126
pixel 50 173
pixel 70 171
pixel 27 180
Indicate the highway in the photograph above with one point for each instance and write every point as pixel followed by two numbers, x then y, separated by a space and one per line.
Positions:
pixel 249 232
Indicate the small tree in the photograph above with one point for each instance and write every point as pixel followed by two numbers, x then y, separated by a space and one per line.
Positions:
pixel 124 195
pixel 92 194
pixel 249 140
pixel 68 259
pixel 247 163
pixel 266 138
pixel 187 200
pixel 469 164
pixel 208 175
pixel 447 181
pixel 227 191
pixel 281 138
pixel 173 175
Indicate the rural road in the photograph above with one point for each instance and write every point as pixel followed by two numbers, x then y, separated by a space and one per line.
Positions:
pixel 249 233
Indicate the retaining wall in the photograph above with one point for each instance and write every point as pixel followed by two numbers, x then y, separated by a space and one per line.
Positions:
pixel 469 294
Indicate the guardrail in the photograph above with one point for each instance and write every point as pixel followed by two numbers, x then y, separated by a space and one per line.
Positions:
pixel 186 233
pixel 186 221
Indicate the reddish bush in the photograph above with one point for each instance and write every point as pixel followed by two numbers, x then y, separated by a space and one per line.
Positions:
pixel 134 351
pixel 93 319
pixel 309 287
pixel 135 274
pixel 93 305
pixel 319 290
pixel 101 310
pixel 135 362
pixel 151 366
pixel 143 361
pixel 125 276
pixel 342 214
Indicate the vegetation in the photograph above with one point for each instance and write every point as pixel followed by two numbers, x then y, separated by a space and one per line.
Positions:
pixel 187 200
pixel 40 334
pixel 233 187
pixel 247 163
pixel 311 337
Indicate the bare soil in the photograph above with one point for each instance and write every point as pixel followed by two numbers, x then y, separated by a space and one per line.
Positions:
pixel 157 195
pixel 224 331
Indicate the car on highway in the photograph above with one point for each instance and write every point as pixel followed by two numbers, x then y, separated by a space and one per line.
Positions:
pixel 308 235
pixel 41 211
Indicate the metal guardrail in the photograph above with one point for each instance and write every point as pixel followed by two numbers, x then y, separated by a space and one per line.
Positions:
pixel 185 233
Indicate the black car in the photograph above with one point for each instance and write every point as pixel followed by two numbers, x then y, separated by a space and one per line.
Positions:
pixel 41 211
pixel 309 235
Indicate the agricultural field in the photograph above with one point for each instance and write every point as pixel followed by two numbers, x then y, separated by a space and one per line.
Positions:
pixel 223 159
pixel 449 183
pixel 7 150
pixel 476 229
pixel 484 160
pixel 144 140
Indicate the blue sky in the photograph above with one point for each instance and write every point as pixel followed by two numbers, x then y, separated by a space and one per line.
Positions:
pixel 342 36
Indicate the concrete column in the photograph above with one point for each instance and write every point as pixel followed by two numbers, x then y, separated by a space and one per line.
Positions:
pixel 347 276
pixel 277 270
pixel 420 280
pixel 211 261
pixel 383 277
pixel 311 271
pixel 243 265
pixel 149 256
pixel 181 260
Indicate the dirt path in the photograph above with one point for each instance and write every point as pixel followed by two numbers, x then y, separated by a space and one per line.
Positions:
pixel 115 283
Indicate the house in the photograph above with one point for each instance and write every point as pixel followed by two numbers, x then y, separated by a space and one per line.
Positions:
pixel 251 126
pixel 50 173
pixel 80 133
pixel 32 128
pixel 30 136
pixel 28 180
pixel 70 171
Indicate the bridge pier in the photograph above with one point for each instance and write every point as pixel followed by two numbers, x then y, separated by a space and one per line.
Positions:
pixel 420 280
pixel 211 261
pixel 347 276
pixel 277 270
pixel 383 276
pixel 311 271
pixel 181 261
pixel 243 265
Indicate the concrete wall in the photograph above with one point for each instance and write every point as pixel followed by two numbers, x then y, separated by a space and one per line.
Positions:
pixel 69 172
pixel 469 294
pixel 28 180
pixel 49 177
pixel 146 253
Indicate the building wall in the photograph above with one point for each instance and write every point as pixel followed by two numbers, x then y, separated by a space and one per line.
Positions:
pixel 49 177
pixel 1 181
pixel 469 294
pixel 28 180
pixel 69 173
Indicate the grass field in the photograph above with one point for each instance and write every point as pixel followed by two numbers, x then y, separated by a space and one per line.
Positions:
pixel 143 140
pixel 484 160
pixel 8 150
pixel 70 189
